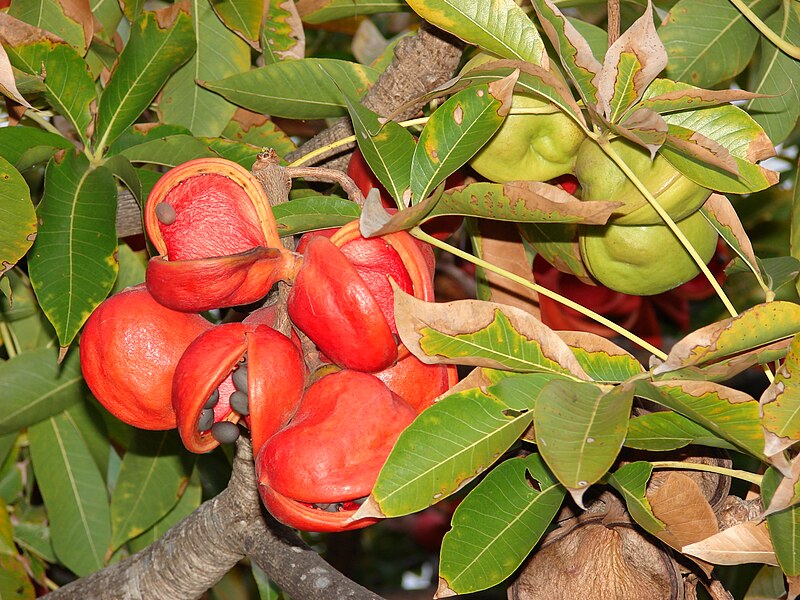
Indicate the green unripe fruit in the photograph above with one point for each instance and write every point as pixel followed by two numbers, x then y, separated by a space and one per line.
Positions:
pixel 601 179
pixel 535 147
pixel 643 260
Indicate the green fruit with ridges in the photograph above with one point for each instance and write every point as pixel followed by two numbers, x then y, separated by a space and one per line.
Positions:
pixel 601 179
pixel 643 260
pixel 536 147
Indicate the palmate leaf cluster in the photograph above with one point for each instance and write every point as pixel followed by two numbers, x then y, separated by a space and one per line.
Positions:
pixel 116 93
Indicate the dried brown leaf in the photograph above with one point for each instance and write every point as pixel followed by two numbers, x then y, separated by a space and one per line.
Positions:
pixel 747 542
pixel 705 150
pixel 499 244
pixel 721 208
pixel 8 85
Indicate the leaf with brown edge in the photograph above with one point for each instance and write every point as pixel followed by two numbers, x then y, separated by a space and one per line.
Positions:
pixel 283 37
pixel 498 243
pixel 744 543
pixel 70 20
pixel 519 201
pixel 580 428
pixel 643 127
pixel 786 492
pixel 601 358
pixel 484 334
pixel 243 17
pixel 759 334
pixel 679 503
pixel 702 148
pixel 573 50
pixel 720 212
pixel 631 64
pixel 726 412
pixel 780 404
pixel 666 96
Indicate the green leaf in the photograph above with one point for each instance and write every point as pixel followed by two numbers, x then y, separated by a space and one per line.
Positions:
pixel 784 526
pixel 722 215
pixel 773 74
pixel 243 17
pixel 69 87
pixel 159 43
pixel 388 149
pixel 780 404
pixel 6 534
pixel 252 128
pixel 314 212
pixel 322 11
pixel 483 334
pixel 152 477
pixel 88 420
pixel 17 143
pixel 52 16
pixel 456 131
pixel 168 151
pixel 17 214
pixel 282 37
pixel 602 359
pixel 190 499
pixel 727 413
pixel 74 494
pixel 297 89
pixel 499 26
pixel 631 481
pixel 108 15
pixel 125 172
pixel 238 152
pixel 580 430
pixel 73 261
pixel 759 334
pixel 699 36
pixel 14 581
pixel 141 133
pixel 28 327
pixel 36 387
pixel 662 431
pixel 35 537
pixel 447 446
pixel 497 525
pixel 220 53
pixel 576 55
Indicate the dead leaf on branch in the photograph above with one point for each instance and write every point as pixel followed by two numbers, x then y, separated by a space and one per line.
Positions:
pixel 747 542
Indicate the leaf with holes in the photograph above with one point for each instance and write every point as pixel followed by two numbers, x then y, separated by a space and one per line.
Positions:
pixel 667 430
pixel 497 525
pixel 472 332
pixel 726 412
pixel 159 43
pixel 220 53
pixel 499 26
pixel 73 262
pixel 74 494
pixel 456 131
pixel 297 89
pixel 580 429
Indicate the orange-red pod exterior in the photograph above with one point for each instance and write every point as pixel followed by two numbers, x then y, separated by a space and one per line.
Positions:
pixel 418 383
pixel 130 348
pixel 275 380
pixel 332 451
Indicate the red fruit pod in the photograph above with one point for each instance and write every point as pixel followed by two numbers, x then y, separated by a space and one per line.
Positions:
pixel 213 227
pixel 129 349
pixel 418 383
pixel 342 298
pixel 314 473
pixel 273 383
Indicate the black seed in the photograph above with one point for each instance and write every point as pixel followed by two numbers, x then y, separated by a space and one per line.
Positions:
pixel 240 378
pixel 165 213
pixel 225 432
pixel 239 403
pixel 212 400
pixel 206 419
pixel 333 507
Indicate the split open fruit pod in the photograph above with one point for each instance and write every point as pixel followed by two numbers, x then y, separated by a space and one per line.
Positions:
pixel 236 372
pixel 317 471
pixel 130 348
pixel 211 223
pixel 342 298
